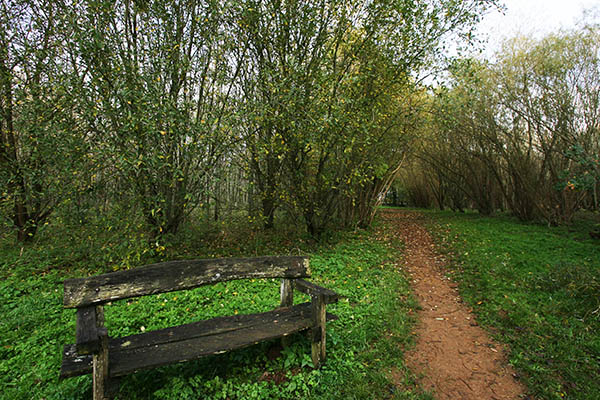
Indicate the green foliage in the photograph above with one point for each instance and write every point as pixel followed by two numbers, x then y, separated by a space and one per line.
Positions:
pixel 518 133
pixel 170 106
pixel 40 151
pixel 587 175
pixel 537 289
pixel 155 100
pixel 332 101
pixel 363 345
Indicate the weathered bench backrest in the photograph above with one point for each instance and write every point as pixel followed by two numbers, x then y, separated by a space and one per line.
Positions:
pixel 178 275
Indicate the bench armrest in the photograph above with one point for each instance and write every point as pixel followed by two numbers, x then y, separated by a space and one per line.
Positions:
pixel 87 336
pixel 329 296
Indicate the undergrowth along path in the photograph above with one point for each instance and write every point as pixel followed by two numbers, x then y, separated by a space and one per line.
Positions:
pixel 455 357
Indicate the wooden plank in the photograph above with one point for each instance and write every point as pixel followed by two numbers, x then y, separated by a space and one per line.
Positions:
pixel 87 337
pixel 100 369
pixel 211 327
pixel 177 275
pixel 190 341
pixel 157 350
pixel 130 360
pixel 100 360
pixel 329 296
pixel 286 293
pixel 318 336
pixel 74 364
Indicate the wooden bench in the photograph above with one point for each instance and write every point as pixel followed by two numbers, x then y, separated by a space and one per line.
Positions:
pixel 108 359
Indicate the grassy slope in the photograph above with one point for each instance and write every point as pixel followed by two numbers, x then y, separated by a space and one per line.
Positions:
pixel 536 288
pixel 363 344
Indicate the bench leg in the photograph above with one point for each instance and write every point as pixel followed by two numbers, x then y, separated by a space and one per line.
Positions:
pixel 318 331
pixel 113 387
pixel 286 293
pixel 101 373
pixel 287 300
pixel 104 387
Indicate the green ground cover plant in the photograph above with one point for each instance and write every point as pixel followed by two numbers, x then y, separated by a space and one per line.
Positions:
pixel 363 345
pixel 535 288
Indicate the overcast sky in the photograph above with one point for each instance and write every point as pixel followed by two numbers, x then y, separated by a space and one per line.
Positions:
pixel 535 17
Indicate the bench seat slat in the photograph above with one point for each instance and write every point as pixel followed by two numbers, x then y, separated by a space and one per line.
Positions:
pixel 191 341
pixel 87 335
pixel 177 275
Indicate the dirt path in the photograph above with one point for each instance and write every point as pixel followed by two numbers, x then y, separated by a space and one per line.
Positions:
pixel 457 359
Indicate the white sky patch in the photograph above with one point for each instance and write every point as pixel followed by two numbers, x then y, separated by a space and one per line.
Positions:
pixel 535 18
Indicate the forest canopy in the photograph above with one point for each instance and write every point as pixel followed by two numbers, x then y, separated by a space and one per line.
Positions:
pixel 165 111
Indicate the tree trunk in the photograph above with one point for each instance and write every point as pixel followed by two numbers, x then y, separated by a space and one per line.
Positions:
pixel 313 227
pixel 268 208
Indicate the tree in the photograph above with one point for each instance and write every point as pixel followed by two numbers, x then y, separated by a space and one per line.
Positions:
pixel 157 82
pixel 39 145
pixel 524 127
pixel 547 89
pixel 330 93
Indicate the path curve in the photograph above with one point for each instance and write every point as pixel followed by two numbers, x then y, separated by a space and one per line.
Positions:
pixel 455 357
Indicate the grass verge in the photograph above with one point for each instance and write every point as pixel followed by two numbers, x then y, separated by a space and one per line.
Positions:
pixel 535 288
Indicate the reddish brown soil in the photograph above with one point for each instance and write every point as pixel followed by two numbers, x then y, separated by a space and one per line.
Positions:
pixel 455 357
